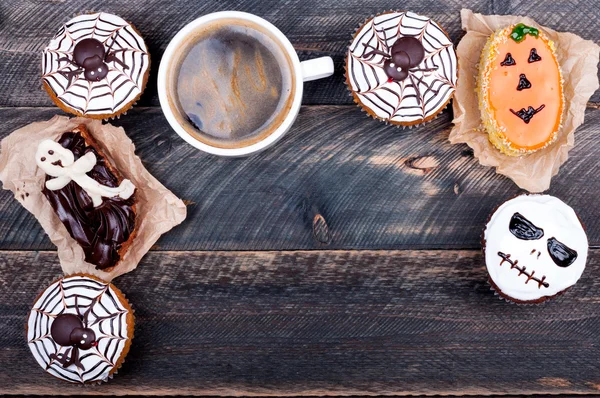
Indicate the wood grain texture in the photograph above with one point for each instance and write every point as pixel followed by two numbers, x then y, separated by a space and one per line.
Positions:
pixel 321 322
pixel 311 322
pixel 375 186
pixel 315 28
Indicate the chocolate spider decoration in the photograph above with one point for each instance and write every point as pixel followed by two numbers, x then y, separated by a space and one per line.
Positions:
pixel 92 59
pixel 402 61
pixel 72 330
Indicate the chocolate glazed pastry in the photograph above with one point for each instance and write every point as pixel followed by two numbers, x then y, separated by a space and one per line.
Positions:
pixel 103 231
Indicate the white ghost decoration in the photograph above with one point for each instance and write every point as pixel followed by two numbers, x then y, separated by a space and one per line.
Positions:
pixel 535 247
pixel 59 162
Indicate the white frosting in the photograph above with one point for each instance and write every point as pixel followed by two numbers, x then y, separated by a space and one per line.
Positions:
pixel 119 87
pixel 397 101
pixel 107 318
pixel 49 153
pixel 557 220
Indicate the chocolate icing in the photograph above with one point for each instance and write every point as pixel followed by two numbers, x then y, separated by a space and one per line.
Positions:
pixel 83 338
pixel 561 254
pixel 534 56
pixel 406 54
pixel 91 56
pixel 86 49
pixel 63 326
pixel 99 230
pixel 523 270
pixel 527 114
pixel 71 330
pixel 508 60
pixel 523 82
pixel 524 229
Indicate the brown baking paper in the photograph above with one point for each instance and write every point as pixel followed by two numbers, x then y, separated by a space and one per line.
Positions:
pixel 157 209
pixel 578 59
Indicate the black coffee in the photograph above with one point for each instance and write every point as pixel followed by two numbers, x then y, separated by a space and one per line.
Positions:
pixel 234 83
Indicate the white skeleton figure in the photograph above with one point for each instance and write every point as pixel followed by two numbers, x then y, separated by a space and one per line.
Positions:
pixel 50 153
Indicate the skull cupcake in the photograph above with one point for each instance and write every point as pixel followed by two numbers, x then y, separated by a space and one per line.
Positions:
pixel 535 248
pixel 401 68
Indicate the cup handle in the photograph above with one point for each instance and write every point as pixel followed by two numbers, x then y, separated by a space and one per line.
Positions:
pixel 317 68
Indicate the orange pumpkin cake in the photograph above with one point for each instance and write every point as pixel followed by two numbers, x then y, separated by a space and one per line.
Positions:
pixel 520 90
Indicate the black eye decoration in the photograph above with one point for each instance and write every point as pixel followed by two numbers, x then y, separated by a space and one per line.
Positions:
pixel 533 56
pixel 508 60
pixel 561 254
pixel 524 229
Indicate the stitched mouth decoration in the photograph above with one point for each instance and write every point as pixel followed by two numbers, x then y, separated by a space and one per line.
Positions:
pixel 522 271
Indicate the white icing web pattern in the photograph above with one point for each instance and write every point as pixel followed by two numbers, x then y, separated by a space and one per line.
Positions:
pixel 119 87
pixel 107 318
pixel 400 101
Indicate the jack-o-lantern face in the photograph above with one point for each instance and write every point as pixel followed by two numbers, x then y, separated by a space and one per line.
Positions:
pixel 525 88
pixel 535 247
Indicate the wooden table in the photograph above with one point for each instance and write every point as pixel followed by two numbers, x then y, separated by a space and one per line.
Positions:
pixel 345 260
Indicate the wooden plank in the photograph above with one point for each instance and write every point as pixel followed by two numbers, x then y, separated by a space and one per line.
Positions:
pixel 375 186
pixel 315 27
pixel 322 322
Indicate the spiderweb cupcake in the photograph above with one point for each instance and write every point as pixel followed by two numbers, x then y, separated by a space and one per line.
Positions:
pixel 401 68
pixel 96 66
pixel 80 329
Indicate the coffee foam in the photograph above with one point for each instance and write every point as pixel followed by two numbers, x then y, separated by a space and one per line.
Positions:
pixel 231 83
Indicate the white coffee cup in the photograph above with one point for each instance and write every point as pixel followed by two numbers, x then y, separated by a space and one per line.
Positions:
pixel 302 71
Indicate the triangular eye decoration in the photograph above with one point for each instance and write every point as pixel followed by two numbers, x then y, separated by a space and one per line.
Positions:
pixel 508 60
pixel 533 56
pixel 561 254
pixel 524 229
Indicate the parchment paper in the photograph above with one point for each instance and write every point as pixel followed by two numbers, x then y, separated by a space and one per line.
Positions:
pixel 578 59
pixel 157 209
